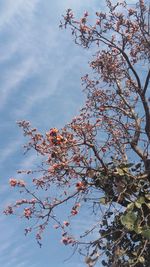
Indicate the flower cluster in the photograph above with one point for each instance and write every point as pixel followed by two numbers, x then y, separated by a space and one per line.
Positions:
pixel 8 211
pixel 66 240
pixel 54 137
pixel 25 201
pixel 75 209
pixel 13 182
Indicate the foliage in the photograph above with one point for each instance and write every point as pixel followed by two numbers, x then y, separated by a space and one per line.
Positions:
pixel 101 158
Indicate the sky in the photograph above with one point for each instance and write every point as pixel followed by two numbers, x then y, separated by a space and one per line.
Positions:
pixel 40 81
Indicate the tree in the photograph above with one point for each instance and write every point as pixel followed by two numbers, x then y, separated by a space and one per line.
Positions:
pixel 101 159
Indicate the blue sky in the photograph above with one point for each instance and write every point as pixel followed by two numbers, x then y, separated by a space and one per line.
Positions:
pixel 40 70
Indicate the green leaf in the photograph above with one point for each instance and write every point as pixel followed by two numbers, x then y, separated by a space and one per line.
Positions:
pixel 139 202
pixel 128 220
pixel 126 165
pixel 148 205
pixel 141 259
pixel 146 233
pixel 103 200
pixel 134 253
pixel 138 205
pixel 147 196
pixel 120 171
pixel 130 206
pixel 138 229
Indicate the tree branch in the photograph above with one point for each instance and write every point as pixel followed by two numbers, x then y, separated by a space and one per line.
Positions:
pixel 146 82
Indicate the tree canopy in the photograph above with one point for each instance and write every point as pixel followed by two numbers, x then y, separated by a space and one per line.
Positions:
pixel 101 159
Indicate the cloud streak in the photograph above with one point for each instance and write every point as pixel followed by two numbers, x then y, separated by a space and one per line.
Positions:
pixel 12 80
pixel 40 73
pixel 10 9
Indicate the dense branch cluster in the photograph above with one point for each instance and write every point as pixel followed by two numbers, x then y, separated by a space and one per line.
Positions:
pixel 101 159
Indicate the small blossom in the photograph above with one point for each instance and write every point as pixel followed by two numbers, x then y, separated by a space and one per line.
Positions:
pixel 13 182
pixel 97 22
pixel 131 11
pixel 83 20
pixel 38 236
pixel 67 240
pixel 59 139
pixel 27 213
pixel 74 212
pixel 80 186
pixel 53 132
pixel 32 201
pixel 21 183
pixel 104 149
pixel 77 205
pixel 8 211
pixel 66 223
pixel 86 14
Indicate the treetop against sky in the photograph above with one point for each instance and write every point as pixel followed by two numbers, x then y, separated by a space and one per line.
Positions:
pixel 98 163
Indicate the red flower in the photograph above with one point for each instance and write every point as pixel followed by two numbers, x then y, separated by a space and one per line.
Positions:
pixel 53 132
pixel 13 182
pixel 74 211
pixel 80 186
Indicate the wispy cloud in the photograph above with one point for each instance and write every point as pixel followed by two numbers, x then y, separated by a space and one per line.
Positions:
pixel 15 22
pixel 15 249
pixel 37 61
pixel 13 79
pixel 35 39
pixel 11 8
